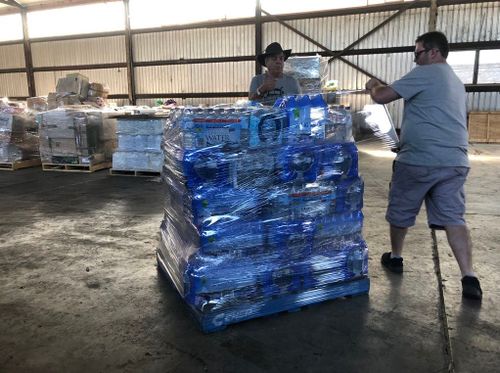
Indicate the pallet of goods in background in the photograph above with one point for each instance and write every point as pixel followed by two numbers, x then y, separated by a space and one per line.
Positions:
pixel 77 139
pixel 18 139
pixel 139 150
pixel 484 127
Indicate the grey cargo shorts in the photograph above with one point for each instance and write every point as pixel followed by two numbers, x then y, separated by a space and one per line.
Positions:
pixel 442 189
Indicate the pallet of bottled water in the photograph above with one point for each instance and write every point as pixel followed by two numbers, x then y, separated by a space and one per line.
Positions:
pixel 139 144
pixel 263 209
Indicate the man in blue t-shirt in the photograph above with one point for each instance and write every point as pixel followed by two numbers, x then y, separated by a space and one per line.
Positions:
pixel 273 84
pixel 432 164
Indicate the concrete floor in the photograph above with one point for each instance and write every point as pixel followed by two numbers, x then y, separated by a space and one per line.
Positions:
pixel 80 292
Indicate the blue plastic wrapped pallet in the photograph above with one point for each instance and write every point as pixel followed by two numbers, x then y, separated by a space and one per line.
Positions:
pixel 262 209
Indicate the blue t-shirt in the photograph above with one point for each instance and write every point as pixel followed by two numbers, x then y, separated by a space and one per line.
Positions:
pixel 285 86
pixel 434 128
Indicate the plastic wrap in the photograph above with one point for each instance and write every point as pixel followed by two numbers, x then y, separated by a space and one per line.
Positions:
pixel 77 136
pixel 18 135
pixel 139 144
pixel 374 125
pixel 310 72
pixel 37 104
pixel 262 210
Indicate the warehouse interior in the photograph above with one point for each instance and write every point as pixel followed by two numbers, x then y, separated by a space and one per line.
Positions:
pixel 82 290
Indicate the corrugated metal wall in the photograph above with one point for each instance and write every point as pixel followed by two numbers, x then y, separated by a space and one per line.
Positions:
pixel 470 22
pixel 483 101
pixel 193 44
pixel 462 23
pixel 206 77
pixel 12 56
pixel 78 52
pixel 338 32
pixel 196 43
pixel 13 84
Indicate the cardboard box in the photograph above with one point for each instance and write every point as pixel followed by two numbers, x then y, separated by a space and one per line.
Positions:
pixel 73 83
pixel 97 90
pixel 37 103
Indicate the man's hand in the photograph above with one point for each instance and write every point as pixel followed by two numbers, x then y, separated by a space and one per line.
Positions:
pixel 268 84
pixel 380 93
pixel 372 83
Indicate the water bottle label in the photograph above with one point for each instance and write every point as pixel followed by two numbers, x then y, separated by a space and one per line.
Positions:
pixel 217 131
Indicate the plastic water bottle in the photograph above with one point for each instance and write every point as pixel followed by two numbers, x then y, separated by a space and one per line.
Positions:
pixel 293 114
pixel 199 126
pixel 319 113
pixel 348 124
pixel 304 104
pixel 253 129
pixel 354 195
pixel 336 162
pixel 356 261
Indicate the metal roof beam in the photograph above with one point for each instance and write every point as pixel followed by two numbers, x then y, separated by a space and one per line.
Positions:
pixel 326 49
pixel 372 31
pixel 13 3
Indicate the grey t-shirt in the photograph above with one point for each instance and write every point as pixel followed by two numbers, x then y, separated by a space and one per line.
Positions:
pixel 286 85
pixel 434 128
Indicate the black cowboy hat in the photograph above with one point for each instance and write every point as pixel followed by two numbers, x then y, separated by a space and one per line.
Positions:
pixel 272 49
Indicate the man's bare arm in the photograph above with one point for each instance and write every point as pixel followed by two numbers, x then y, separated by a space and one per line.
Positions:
pixel 381 93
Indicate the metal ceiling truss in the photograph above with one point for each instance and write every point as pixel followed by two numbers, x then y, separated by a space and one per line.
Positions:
pixel 13 3
pixel 338 55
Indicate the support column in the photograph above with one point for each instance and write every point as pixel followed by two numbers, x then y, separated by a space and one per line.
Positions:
pixel 258 35
pixel 476 67
pixel 27 56
pixel 129 56
pixel 433 11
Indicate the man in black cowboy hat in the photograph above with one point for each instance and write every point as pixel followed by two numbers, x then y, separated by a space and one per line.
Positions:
pixel 273 84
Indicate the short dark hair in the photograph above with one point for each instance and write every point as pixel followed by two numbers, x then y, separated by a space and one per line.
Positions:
pixel 435 39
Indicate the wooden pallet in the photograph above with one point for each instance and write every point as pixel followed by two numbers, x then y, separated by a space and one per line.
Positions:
pixel 115 172
pixel 75 167
pixel 16 165
pixel 484 127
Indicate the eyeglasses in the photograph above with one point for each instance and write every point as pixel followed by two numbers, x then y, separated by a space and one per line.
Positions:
pixel 417 54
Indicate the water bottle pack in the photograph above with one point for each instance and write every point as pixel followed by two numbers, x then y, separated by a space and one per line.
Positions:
pixel 339 128
pixel 221 285
pixel 265 129
pixel 309 202
pixel 292 241
pixel 208 166
pixel 229 235
pixel 285 280
pixel 211 203
pixel 299 163
pixel 350 195
pixel 315 200
pixel 338 161
pixel 216 129
pixel 255 169
pixel 139 143
pixel 328 228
